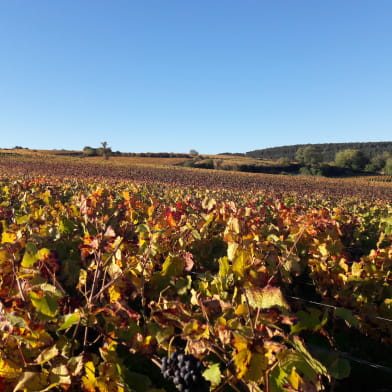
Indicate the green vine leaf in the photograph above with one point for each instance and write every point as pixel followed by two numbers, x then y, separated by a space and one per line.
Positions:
pixel 70 320
pixel 213 374
pixel 45 304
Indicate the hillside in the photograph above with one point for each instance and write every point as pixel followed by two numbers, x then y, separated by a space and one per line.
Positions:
pixel 111 269
pixel 27 163
pixel 328 150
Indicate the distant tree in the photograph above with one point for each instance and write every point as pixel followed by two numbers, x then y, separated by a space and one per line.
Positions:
pixel 89 151
pixel 299 155
pixel 193 152
pixel 305 171
pixel 105 151
pixel 377 163
pixel 308 155
pixel 283 161
pixel 351 159
pixel 314 170
pixel 388 167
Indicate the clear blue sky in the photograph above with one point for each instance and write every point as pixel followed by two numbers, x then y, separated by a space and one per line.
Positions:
pixel 210 75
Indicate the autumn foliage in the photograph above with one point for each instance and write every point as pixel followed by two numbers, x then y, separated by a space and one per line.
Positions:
pixel 101 280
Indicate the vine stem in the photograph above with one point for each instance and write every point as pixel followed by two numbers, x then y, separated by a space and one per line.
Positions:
pixel 20 289
pixel 55 281
pixel 103 265
pixel 249 315
pixel 143 297
pixel 17 278
pixel 96 273
pixel 281 260
pixel 97 258
pixel 22 355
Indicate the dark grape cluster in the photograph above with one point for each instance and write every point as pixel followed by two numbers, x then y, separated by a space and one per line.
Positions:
pixel 186 372
pixel 5 325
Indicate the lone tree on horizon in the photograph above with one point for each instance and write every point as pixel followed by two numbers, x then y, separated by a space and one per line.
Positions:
pixel 105 150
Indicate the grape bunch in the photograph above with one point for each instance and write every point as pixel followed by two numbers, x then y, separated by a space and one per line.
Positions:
pixel 5 325
pixel 186 372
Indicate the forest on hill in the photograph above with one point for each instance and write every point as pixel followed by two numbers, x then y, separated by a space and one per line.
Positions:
pixel 328 150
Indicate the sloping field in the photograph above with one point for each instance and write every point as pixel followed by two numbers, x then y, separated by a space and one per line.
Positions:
pixel 123 170
pixel 140 160
pixel 118 277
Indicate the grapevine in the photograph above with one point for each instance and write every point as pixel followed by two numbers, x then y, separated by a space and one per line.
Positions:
pixel 238 286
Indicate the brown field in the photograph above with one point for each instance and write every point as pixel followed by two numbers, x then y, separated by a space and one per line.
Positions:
pixel 154 170
pixel 140 160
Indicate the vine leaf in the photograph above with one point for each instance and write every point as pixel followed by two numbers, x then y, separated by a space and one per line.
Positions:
pixel 240 263
pixel 241 361
pixel 60 376
pixel 30 255
pixel 294 378
pixel 313 366
pixel 69 320
pixel 340 368
pixel 32 381
pixel 242 355
pixel 89 381
pixel 47 354
pixel 309 320
pixel 16 321
pixel 8 370
pixel 213 374
pixel 267 297
pixel 231 250
pixel 173 266
pixel 346 315
pixel 45 304
pixel 8 237
pixel 257 365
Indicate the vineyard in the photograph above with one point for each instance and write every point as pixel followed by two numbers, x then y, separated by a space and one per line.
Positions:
pixel 145 278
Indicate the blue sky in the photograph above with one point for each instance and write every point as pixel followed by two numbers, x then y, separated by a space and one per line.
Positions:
pixel 210 75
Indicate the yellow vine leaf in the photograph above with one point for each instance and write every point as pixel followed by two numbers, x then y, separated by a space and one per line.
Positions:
pixel 8 236
pixel 241 361
pixel 89 381
pixel 267 297
pixel 8 370
pixel 114 294
pixel 231 250
pixel 294 378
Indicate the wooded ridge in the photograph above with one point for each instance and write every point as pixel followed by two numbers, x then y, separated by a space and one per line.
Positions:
pixel 328 150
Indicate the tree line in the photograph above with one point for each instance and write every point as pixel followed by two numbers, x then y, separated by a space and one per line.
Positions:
pixel 107 152
pixel 313 161
pixel 328 150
